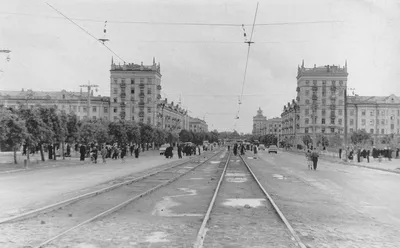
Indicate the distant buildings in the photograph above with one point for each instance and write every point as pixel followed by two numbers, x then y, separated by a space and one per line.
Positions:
pixel 320 104
pixel 263 126
pixel 135 95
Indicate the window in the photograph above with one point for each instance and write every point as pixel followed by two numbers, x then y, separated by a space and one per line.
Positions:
pixel 307 101
pixel 94 109
pixel 323 82
pixel 132 81
pixel 333 83
pixel 115 99
pixel 74 108
pixel 306 111
pixel 94 118
pixel 148 120
pixel 340 121
pixel 115 110
pixel 340 111
pixel 307 82
pixel 323 121
pixel 323 111
pixel 149 100
pixel 371 122
pixel 149 80
pixel 340 83
pixel 133 110
pixel 133 118
pixel 323 101
pixel 115 118
pixel 122 81
pixel 352 112
pixel 351 130
pixel 391 126
pixel 382 131
pixel 149 91
pixel 323 130
pixel 383 121
pixel 307 92
pixel 363 112
pixel 142 80
pixel 115 81
pixel 371 130
pixel 132 90
pixel 306 121
pixel 371 113
pixel 115 90
pixel 363 122
pixel 105 109
pixel 323 92
pixel 332 121
pixel 149 110
pixel 332 130
pixel 141 119
pixel 84 109
pixel 383 112
pixel 306 130
pixel 341 102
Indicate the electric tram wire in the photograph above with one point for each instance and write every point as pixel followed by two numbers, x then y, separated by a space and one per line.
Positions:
pixel 87 32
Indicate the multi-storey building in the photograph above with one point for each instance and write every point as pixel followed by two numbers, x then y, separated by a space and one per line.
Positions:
pixel 273 126
pixel 172 117
pixel 377 115
pixel 290 120
pixel 135 92
pixel 76 102
pixel 197 125
pixel 320 97
pixel 259 123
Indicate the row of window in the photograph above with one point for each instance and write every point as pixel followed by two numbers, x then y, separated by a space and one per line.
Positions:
pixel 115 91
pixel 133 80
pixel 323 102
pixel 382 122
pixel 340 92
pixel 323 130
pixel 378 112
pixel 324 82
pixel 323 112
pixel 149 99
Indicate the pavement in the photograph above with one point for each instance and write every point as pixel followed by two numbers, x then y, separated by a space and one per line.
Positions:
pixel 23 191
pixel 335 206
pixel 384 164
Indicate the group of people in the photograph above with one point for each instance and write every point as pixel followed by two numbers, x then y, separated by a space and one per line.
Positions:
pixel 114 151
pixel 189 149
pixel 312 158
pixel 362 153
pixel 242 148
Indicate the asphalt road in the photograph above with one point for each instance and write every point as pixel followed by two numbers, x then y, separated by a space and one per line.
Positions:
pixel 337 205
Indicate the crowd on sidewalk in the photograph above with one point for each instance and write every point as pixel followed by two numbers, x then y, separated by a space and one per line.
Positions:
pixel 360 154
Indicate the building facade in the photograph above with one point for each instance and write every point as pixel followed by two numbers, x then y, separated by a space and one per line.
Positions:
pixel 259 123
pixel 76 102
pixel 172 117
pixel 290 120
pixel 320 98
pixel 135 92
pixel 273 126
pixel 377 115
pixel 197 125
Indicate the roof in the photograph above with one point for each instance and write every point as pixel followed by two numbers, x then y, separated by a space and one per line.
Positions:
pixel 373 99
pixel 46 94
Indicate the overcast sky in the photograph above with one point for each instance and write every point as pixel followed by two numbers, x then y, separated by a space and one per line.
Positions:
pixel 52 54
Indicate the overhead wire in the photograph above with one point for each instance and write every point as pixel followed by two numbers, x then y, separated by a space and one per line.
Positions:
pixel 175 23
pixel 87 32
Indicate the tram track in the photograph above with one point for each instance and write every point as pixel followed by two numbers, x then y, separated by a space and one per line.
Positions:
pixel 241 213
pixel 45 225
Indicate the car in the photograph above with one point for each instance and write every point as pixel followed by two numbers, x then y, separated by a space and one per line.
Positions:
pixel 273 148
pixel 261 147
pixel 163 148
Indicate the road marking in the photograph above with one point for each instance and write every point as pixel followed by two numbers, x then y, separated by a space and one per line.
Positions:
pixel 215 162
pixel 236 180
pixel 157 237
pixel 278 176
pixel 241 202
pixel 196 178
pixel 162 208
pixel 235 174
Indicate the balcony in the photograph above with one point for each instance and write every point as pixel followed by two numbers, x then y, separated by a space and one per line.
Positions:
pixel 141 94
pixel 141 114
pixel 158 96
pixel 123 95
pixel 332 107
pixel 314 88
pixel 159 87
pixel 298 89
pixel 298 99
pixel 314 97
pixel 122 104
pixel 141 85
pixel 123 85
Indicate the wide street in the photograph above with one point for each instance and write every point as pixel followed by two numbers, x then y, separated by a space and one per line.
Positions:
pixel 337 205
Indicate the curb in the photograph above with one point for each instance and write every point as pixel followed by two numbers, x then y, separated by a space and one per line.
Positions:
pixel 350 164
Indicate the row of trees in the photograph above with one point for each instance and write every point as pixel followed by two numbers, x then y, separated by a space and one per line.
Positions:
pixel 39 125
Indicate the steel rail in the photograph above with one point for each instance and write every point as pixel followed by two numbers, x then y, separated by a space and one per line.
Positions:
pixel 202 231
pixel 123 204
pixel 86 195
pixel 276 208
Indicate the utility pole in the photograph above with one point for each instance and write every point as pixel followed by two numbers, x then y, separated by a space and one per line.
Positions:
pixel 345 122
pixel 89 87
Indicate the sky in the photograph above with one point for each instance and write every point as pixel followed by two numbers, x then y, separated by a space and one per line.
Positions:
pixel 203 65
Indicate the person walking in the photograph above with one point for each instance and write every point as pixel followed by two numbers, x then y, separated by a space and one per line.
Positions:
pixel 309 159
pixel 179 151
pixel 103 154
pixel 137 151
pixel 123 153
pixel 255 150
pixel 94 154
pixel 131 149
pixel 82 151
pixel 368 153
pixel 315 156
pixel 340 152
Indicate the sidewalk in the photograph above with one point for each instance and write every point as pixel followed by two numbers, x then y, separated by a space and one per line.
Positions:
pixel 7 166
pixel 20 192
pixel 384 165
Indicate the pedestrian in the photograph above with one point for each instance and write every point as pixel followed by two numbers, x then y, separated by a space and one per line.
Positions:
pixel 309 159
pixel 103 153
pixel 255 150
pixel 123 153
pixel 368 153
pixel 131 149
pixel 198 148
pixel 315 156
pixel 94 154
pixel 340 152
pixel 82 151
pixel 179 151
pixel 229 148
pixel 137 151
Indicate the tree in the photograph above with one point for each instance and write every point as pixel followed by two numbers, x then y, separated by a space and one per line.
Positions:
pixel 118 132
pixel 146 134
pixel 360 137
pixel 12 131
pixel 269 139
pixel 335 140
pixel 93 132
pixel 132 132
pixel 185 136
pixel 307 140
pixel 322 140
pixel 72 128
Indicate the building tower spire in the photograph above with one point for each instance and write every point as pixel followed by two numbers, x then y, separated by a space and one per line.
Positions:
pixel 302 64
pixel 154 60
pixel 112 60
